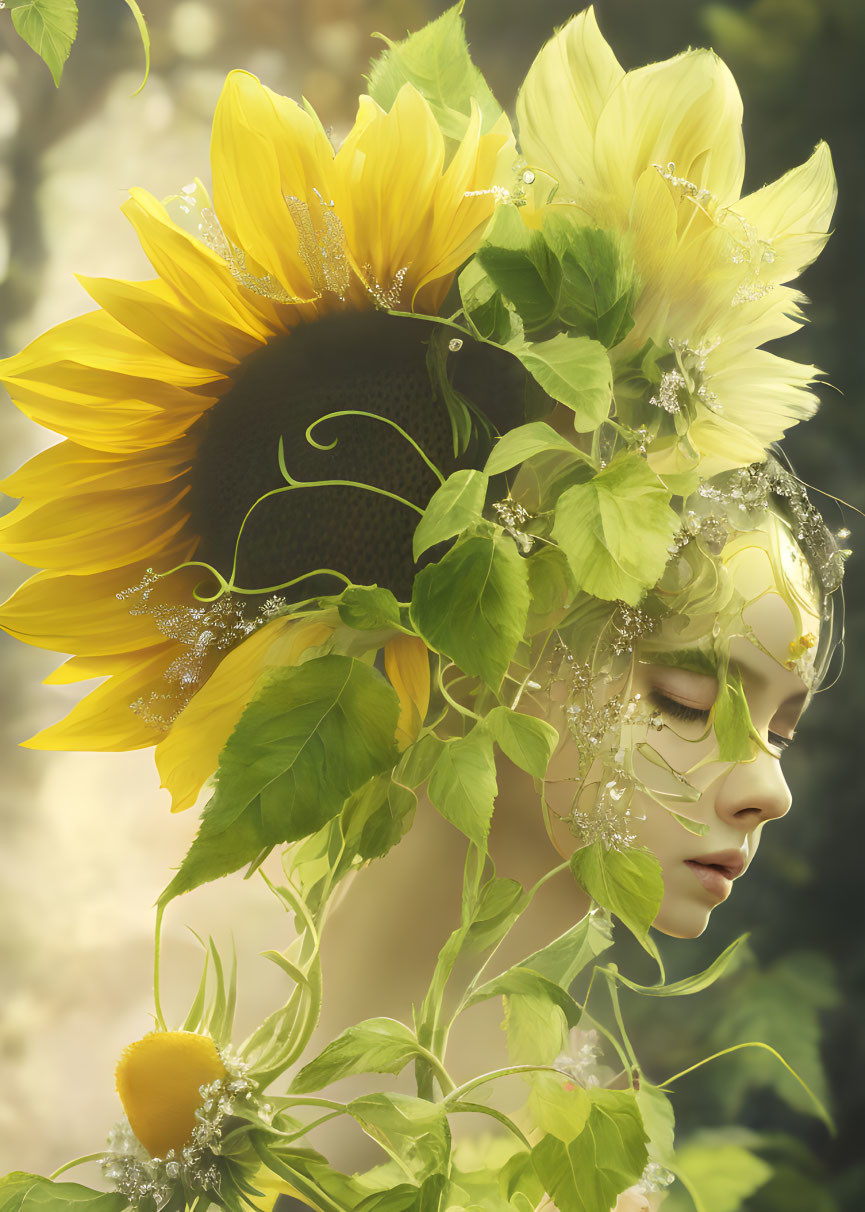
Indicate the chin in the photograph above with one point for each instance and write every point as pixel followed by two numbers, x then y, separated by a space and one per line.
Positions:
pixel 680 920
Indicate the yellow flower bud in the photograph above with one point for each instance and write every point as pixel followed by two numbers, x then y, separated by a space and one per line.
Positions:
pixel 159 1079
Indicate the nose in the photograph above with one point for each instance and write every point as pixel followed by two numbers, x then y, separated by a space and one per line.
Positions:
pixel 754 792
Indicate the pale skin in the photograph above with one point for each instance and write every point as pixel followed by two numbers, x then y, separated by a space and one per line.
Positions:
pixel 737 799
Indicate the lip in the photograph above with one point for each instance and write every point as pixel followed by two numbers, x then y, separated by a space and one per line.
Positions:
pixel 716 872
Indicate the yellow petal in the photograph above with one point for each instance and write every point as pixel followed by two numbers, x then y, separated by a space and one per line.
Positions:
pixel 68 468
pixel 159 1079
pixel 95 532
pixel 99 341
pixel 155 313
pixel 95 382
pixel 189 755
pixel 81 614
pixel 196 273
pixel 271 1186
pixel 264 149
pixel 406 663
pixel 105 718
pixel 463 205
pixel 386 174
pixel 793 214
pixel 562 97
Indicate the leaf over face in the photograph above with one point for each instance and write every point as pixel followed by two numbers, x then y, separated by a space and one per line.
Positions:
pixel 596 523
pixel 627 882
pixel 48 27
pixel 473 604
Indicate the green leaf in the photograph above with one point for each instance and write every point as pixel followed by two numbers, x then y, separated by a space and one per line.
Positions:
pixel 20 1192
pixel 691 984
pixel 417 761
pixel 576 371
pixel 521 267
pixel 377 1045
pixel 535 1027
pixel 720 1173
pixel 500 903
pixel 473 604
pixel 564 959
pixel 522 443
pixel 48 27
pixel 458 504
pixel 436 61
pixel 413 1129
pixel 528 742
pixel 597 282
pixel 398 1199
pixel 314 734
pixel 551 587
pixel 656 1112
pixel 368 608
pixel 484 305
pixel 596 523
pixel 463 784
pixel 373 820
pixel 607 1157
pixel 523 980
pixel 559 1107
pixel 732 720
pixel 627 882
pixel 778 1006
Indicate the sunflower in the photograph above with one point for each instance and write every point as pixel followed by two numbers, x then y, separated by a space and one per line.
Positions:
pixel 657 155
pixel 182 398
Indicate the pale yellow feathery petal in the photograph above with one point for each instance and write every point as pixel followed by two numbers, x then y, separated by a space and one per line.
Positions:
pixel 686 112
pixel 793 214
pixel 561 99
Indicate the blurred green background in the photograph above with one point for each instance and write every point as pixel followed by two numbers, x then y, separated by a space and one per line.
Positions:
pixel 66 158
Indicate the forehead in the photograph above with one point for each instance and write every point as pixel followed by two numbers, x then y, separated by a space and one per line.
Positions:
pixel 769 615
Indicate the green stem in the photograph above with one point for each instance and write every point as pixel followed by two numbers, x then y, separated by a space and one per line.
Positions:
pixel 374 416
pixel 157 944
pixel 458 707
pixel 824 1114
pixel 78 1161
pixel 617 1011
pixel 485 1078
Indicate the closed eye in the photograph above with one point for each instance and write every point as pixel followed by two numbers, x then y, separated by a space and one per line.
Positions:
pixel 679 711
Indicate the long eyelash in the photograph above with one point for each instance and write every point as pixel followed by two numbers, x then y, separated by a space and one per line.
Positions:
pixel 677 710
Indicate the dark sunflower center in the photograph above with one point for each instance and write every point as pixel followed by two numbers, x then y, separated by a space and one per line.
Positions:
pixel 371 363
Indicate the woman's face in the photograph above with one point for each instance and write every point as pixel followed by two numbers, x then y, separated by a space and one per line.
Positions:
pixel 736 799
